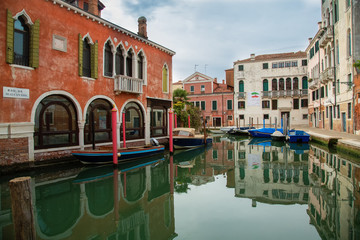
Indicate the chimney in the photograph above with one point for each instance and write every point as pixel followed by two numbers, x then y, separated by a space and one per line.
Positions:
pixel 252 56
pixel 310 39
pixel 215 79
pixel 223 81
pixel 142 27
pixel 320 25
pixel 93 7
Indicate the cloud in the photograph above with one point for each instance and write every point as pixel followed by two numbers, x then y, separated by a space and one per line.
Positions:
pixel 217 33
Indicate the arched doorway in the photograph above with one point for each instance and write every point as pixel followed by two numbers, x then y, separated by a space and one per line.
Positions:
pixel 55 123
pixel 98 122
pixel 134 121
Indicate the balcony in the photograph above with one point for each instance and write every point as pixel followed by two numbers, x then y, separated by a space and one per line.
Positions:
pixel 128 84
pixel 327 75
pixel 266 94
pixel 241 95
pixel 327 37
pixel 314 83
pixel 286 93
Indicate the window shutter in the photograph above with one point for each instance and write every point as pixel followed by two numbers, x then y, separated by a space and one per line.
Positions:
pixel 80 55
pixel 9 38
pixel 94 60
pixel 34 44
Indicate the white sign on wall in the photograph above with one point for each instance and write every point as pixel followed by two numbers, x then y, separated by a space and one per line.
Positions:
pixel 253 99
pixel 9 92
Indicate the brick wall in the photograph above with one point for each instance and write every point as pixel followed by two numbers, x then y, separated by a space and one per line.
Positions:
pixel 13 151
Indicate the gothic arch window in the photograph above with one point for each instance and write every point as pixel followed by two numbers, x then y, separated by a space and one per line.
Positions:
pixel 119 61
pixel 88 57
pixel 134 121
pixel 98 122
pixel 129 64
pixel 22 40
pixel 140 65
pixel 55 123
pixel 108 60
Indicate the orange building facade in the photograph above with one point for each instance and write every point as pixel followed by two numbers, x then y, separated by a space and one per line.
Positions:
pixel 63 70
pixel 215 100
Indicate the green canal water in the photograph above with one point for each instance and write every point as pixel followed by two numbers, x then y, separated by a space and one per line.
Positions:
pixel 235 189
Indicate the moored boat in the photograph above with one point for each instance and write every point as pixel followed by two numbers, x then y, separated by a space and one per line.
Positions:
pixel 278 136
pixel 241 131
pixel 104 155
pixel 263 132
pixel 186 138
pixel 298 136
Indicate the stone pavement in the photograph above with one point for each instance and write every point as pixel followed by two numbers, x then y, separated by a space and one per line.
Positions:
pixel 345 139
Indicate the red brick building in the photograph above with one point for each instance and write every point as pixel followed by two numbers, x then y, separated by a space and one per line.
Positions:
pixel 63 68
pixel 215 100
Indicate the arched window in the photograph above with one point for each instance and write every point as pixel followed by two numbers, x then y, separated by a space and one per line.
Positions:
pixel 55 123
pixel 165 79
pixel 119 61
pixel 134 121
pixel 21 42
pixel 140 65
pixel 288 83
pixel 98 122
pixel 241 86
pixel 86 59
pixel 281 84
pixel 304 83
pixel 265 85
pixel 295 83
pixel 274 85
pixel 129 68
pixel 108 60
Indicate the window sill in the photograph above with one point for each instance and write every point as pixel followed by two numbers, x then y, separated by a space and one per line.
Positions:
pixel 88 78
pixel 22 67
pixel 110 77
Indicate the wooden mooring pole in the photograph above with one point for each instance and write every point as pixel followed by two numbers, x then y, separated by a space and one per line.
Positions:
pixel 22 208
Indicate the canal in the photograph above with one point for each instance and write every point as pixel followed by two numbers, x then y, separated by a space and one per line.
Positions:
pixel 238 188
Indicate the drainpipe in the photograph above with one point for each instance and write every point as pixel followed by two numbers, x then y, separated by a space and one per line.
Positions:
pixel 334 57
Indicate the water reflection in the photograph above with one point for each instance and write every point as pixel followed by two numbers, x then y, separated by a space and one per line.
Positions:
pixel 136 201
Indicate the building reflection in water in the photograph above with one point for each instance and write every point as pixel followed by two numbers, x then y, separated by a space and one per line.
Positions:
pixel 137 202
pixel 133 202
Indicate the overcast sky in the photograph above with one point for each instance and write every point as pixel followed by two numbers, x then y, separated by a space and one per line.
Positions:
pixel 213 34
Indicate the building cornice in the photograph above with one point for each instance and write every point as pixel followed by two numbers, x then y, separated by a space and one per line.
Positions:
pixel 108 24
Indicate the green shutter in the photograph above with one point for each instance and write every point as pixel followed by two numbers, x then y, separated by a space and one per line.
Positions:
pixel 94 60
pixel 34 44
pixel 9 38
pixel 80 55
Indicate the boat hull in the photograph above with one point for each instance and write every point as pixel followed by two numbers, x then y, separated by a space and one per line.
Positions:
pixel 106 156
pixel 263 132
pixel 298 136
pixel 190 142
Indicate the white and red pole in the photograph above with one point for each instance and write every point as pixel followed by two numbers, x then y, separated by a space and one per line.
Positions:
pixel 171 148
pixel 123 129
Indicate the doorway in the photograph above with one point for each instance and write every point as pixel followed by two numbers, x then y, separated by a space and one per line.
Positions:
pixel 343 120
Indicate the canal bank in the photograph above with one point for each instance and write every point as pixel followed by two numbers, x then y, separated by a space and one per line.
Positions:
pixel 342 142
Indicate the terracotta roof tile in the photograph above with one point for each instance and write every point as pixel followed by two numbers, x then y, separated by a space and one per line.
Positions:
pixel 275 56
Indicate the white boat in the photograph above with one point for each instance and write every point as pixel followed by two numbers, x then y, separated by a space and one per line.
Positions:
pixel 186 138
pixel 227 129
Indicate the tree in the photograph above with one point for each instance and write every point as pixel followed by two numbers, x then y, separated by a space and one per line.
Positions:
pixel 183 108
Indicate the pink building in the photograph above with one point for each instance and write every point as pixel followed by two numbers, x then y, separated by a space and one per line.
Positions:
pixel 215 100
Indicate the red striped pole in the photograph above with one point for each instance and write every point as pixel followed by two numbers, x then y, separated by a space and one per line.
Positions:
pixel 114 135
pixel 123 128
pixel 171 148
pixel 189 120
